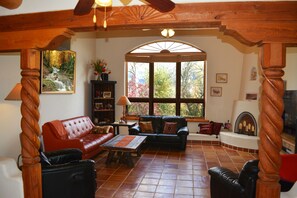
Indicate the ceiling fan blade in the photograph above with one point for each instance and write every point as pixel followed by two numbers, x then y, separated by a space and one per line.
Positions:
pixel 10 4
pixel 162 5
pixel 83 7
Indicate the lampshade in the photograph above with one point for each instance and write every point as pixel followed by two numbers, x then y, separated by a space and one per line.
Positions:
pixel 15 93
pixel 103 3
pixel 168 33
pixel 123 101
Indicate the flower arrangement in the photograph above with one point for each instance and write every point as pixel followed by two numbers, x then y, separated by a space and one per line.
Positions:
pixel 100 67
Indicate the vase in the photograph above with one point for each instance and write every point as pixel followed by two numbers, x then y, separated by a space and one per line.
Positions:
pixel 99 78
pixel 104 76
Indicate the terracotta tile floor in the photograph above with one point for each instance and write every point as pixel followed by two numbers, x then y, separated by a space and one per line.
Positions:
pixel 162 171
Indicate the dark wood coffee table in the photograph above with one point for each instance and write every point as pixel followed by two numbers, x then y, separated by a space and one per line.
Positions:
pixel 123 145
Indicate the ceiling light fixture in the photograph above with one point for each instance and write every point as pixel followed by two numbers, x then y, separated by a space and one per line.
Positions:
pixel 102 3
pixel 167 33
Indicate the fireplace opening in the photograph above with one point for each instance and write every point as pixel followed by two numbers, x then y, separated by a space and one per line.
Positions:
pixel 246 124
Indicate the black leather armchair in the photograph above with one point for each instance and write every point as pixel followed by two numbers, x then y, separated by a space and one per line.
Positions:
pixel 226 184
pixel 65 175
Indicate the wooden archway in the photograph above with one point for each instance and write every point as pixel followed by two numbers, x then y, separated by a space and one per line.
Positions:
pixel 249 22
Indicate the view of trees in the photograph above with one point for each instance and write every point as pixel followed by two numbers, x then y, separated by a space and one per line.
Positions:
pixel 164 83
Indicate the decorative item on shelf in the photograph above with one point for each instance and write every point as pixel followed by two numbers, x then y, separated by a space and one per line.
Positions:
pixel 228 126
pixel 124 101
pixel 100 68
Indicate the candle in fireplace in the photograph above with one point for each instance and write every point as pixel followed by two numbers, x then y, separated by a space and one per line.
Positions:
pixel 240 126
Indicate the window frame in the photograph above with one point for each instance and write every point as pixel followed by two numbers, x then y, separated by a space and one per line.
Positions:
pixel 178 58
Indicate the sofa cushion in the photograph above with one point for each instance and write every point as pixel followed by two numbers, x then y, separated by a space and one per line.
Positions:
pixel 146 127
pixel 288 171
pixel 216 128
pixel 93 141
pixel 100 129
pixel 170 128
pixel 179 120
pixel 156 122
pixel 78 127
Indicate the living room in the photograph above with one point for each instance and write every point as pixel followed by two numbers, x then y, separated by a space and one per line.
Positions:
pixel 225 55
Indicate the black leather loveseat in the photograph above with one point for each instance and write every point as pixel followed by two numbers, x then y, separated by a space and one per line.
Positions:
pixel 226 184
pixel 162 129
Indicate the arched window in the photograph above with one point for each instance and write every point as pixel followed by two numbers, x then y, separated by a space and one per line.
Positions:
pixel 166 78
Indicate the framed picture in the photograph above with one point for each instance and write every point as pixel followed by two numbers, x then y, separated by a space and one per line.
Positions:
pixel 253 73
pixel 216 91
pixel 251 96
pixel 106 94
pixel 58 72
pixel 221 77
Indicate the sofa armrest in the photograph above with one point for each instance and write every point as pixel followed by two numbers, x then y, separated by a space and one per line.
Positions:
pixel 63 156
pixel 76 179
pixel 135 130
pixel 57 144
pixel 183 131
pixel 249 173
pixel 224 183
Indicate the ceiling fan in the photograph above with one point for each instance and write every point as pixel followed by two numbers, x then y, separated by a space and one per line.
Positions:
pixel 85 6
pixel 10 4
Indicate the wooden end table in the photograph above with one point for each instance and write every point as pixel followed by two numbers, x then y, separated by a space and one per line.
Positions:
pixel 123 145
pixel 116 126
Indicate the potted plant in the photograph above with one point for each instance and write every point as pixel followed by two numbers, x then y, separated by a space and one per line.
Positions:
pixel 100 69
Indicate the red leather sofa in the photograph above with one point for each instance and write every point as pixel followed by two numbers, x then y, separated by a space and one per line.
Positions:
pixel 74 133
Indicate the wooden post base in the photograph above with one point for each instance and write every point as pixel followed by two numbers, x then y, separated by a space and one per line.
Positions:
pixel 268 189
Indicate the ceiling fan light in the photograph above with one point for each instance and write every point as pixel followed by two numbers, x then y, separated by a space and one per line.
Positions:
pixel 103 3
pixel 168 33
pixel 171 32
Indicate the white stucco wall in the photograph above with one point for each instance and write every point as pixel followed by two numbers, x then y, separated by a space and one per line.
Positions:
pixel 224 56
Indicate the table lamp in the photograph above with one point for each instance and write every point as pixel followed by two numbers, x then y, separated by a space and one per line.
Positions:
pixel 124 101
pixel 15 93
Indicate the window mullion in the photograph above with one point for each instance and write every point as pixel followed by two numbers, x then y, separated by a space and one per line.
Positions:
pixel 151 89
pixel 178 85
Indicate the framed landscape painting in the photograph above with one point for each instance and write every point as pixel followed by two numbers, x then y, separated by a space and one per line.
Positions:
pixel 58 71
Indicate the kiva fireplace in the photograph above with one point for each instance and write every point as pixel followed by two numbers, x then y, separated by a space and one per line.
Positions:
pixel 244 135
pixel 246 124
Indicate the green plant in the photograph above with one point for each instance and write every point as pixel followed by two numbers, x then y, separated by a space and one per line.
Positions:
pixel 100 66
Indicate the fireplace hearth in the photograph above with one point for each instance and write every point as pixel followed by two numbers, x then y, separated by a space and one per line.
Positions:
pixel 246 124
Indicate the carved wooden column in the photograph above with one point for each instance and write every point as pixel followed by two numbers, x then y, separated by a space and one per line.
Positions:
pixel 30 65
pixel 272 62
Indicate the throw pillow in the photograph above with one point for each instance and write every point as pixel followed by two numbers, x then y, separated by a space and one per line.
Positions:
pixel 100 129
pixel 146 127
pixel 170 128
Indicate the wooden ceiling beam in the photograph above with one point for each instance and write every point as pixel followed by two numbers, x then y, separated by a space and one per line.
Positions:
pixel 249 22
pixel 37 39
